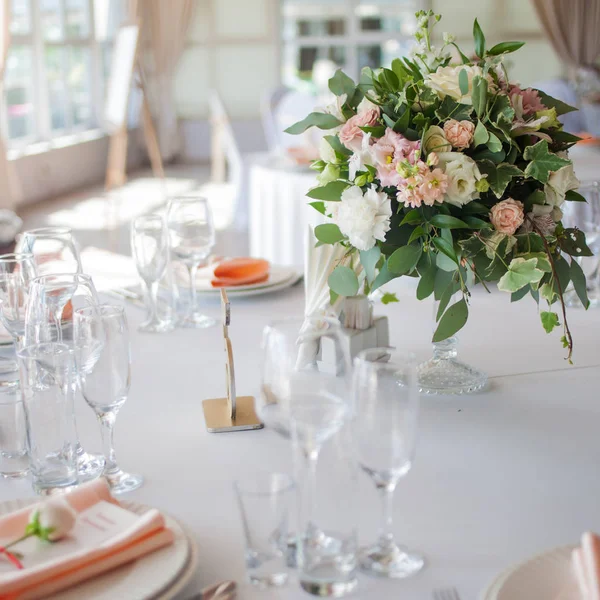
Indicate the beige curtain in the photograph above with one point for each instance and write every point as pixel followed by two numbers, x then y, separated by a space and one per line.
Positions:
pixel 573 27
pixel 164 27
pixel 9 188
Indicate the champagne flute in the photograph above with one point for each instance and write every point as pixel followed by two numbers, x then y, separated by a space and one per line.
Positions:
pixel 386 396
pixel 49 318
pixel 150 248
pixel 54 250
pixel 191 239
pixel 102 332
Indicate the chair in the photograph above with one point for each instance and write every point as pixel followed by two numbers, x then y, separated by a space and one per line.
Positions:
pixel 268 108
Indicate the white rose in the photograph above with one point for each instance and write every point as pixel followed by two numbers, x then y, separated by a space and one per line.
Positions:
pixel 363 218
pixel 559 183
pixel 55 515
pixel 326 152
pixel 463 175
pixel 365 104
pixel 445 82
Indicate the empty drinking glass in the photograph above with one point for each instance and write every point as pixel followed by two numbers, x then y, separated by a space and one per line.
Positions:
pixel 14 461
pixel 47 373
pixel 191 239
pixel 387 404
pixel 150 249
pixel 104 361
pixel 265 501
pixel 54 250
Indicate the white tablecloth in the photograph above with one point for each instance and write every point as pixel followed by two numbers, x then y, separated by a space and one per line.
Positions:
pixel 498 476
pixel 279 211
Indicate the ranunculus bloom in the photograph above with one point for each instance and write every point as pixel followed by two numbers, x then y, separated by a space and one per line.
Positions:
pixel 445 82
pixel 507 216
pixel 459 133
pixel 525 102
pixel 463 175
pixel 435 140
pixel 351 135
pixel 363 218
pixel 388 151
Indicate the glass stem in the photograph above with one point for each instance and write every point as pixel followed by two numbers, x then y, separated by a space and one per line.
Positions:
pixel 386 537
pixel 312 461
pixel 193 269
pixel 107 422
pixel 57 323
pixel 153 300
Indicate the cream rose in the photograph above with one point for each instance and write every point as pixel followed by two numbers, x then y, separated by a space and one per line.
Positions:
pixel 463 175
pixel 445 82
pixel 507 216
pixel 459 133
pixel 434 140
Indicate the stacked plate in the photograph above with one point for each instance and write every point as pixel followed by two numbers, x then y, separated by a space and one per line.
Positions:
pixel 160 575
pixel 547 576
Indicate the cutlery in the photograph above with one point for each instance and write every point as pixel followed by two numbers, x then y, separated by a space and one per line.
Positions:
pixel 446 594
pixel 224 590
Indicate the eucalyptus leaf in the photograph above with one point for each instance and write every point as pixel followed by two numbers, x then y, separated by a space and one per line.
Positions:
pixel 332 192
pixel 479 95
pixel 579 283
pixel 443 246
pixel 452 321
pixel 426 283
pixel 479 39
pixel 448 222
pixel 494 144
pixel 481 135
pixel 315 119
pixel 404 259
pixel 341 84
pixel 318 206
pixel 369 260
pixel 463 82
pixel 329 233
pixel 343 281
pixel 417 233
pixel 442 281
pixel 383 277
pixel 505 47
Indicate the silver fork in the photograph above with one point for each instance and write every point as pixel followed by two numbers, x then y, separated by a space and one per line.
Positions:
pixel 446 594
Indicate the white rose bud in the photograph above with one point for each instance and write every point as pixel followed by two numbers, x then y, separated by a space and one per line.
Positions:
pixel 55 516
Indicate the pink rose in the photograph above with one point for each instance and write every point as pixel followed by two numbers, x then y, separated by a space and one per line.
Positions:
pixel 459 133
pixel 351 135
pixel 507 216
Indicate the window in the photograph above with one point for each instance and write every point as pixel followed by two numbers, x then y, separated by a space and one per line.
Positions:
pixel 57 67
pixel 350 33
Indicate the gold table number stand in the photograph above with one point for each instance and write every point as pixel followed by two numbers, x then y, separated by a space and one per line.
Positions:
pixel 231 413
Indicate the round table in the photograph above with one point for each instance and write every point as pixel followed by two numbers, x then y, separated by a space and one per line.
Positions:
pixel 279 210
pixel 499 475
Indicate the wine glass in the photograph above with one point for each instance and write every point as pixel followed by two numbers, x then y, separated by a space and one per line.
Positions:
pixel 305 391
pixel 54 250
pixel 191 239
pixel 386 396
pixel 49 318
pixel 102 332
pixel 150 248
pixel 16 273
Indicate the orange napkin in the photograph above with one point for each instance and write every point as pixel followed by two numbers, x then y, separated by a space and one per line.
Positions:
pixel 240 271
pixel 146 534
pixel 586 565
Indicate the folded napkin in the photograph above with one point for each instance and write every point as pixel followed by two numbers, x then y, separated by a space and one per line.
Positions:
pixel 105 536
pixel 240 271
pixel 586 565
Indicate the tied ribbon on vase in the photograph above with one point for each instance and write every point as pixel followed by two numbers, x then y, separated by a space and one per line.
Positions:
pixel 51 522
pixel 448 172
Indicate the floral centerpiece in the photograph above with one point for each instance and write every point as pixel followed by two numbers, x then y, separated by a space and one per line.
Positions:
pixel 441 168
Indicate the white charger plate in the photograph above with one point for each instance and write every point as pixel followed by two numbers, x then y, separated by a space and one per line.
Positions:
pixel 547 576
pixel 160 575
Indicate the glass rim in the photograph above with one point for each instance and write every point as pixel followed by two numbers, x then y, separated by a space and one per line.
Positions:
pixel 14 257
pixel 40 279
pixel 50 230
pixel 148 217
pixel 186 199
pixel 243 485
pixel 409 358
pixel 105 310
pixel 33 351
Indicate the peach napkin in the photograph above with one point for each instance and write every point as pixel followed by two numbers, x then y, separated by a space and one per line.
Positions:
pixel 142 535
pixel 240 271
pixel 586 565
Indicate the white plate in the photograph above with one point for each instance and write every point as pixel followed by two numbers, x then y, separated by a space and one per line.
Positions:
pixel 160 575
pixel 547 576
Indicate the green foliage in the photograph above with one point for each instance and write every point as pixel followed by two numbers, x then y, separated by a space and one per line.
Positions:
pixel 499 176
pixel 479 39
pixel 444 246
pixel 452 321
pixel 572 241
pixel 561 107
pixel 427 282
pixel 549 320
pixel 332 192
pixel 329 233
pixel 343 281
pixel 341 84
pixel 388 298
pixel 463 82
pixel 479 95
pixel 369 260
pixel 505 48
pixel 318 206
pixel 579 283
pixel 521 272
pixel 542 161
pixel 481 135
pixel 405 259
pixel 315 119
pixel 384 276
